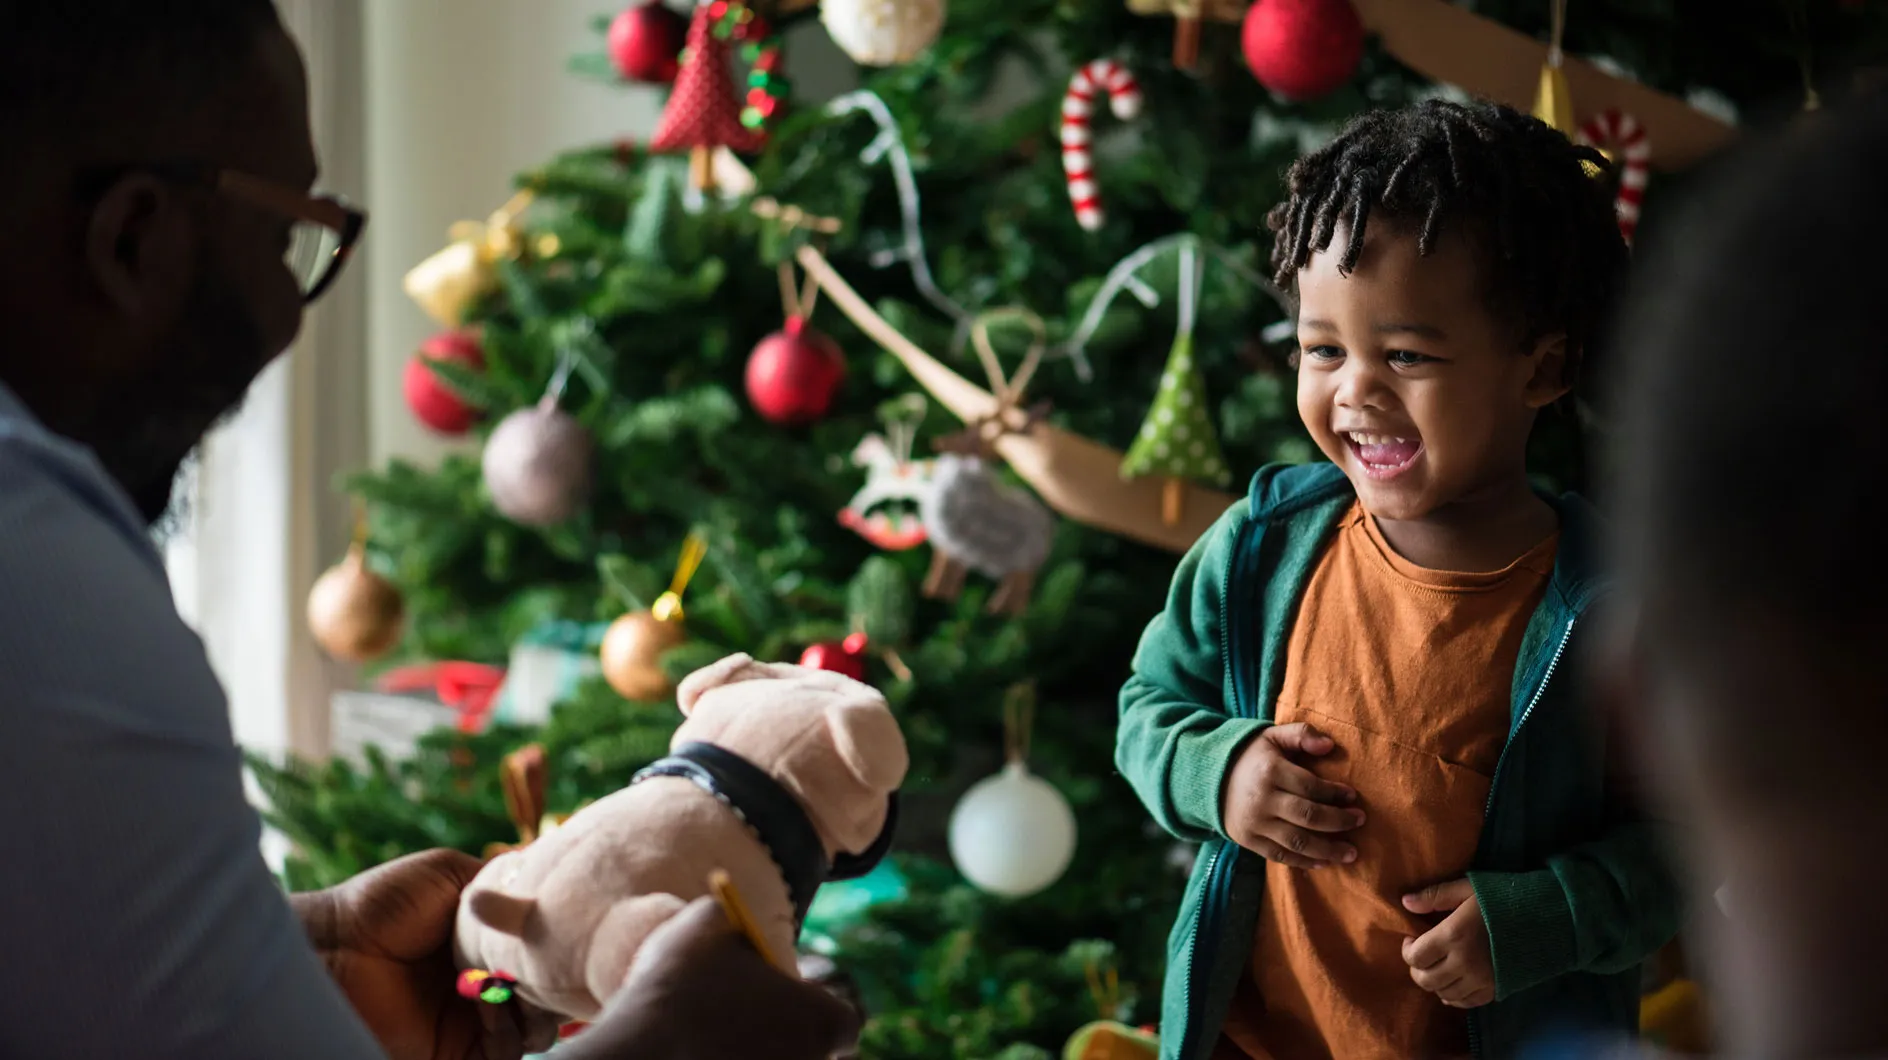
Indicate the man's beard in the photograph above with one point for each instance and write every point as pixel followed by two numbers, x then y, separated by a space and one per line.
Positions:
pixel 199 377
pixel 180 512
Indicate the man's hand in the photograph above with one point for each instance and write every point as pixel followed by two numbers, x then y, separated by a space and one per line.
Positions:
pixel 1281 810
pixel 386 937
pixel 698 991
pixel 1451 960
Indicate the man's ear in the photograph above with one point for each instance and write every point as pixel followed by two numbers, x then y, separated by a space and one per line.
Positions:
pixel 138 244
pixel 1551 378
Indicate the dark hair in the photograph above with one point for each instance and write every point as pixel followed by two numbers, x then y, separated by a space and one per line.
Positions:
pixel 1756 364
pixel 89 69
pixel 1549 237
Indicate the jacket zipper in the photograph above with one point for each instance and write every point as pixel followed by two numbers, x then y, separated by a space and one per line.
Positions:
pixel 1553 663
pixel 1214 895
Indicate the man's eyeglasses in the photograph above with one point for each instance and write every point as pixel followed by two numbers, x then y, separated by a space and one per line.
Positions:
pixel 325 228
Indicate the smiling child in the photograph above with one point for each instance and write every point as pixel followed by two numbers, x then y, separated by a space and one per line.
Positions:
pixel 1356 699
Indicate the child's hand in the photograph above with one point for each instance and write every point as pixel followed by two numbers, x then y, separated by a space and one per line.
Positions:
pixel 1452 959
pixel 1277 809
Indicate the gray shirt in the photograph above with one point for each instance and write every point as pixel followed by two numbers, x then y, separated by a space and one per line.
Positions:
pixel 137 917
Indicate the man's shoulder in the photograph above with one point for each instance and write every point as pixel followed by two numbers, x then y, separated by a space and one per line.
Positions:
pixel 48 483
pixel 89 632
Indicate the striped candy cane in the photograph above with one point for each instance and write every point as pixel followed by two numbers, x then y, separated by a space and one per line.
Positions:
pixel 1622 134
pixel 1124 96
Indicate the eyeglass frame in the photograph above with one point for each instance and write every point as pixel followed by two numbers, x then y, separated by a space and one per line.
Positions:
pixel 329 211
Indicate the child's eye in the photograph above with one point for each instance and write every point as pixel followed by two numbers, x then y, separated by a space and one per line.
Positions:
pixel 1320 353
pixel 1407 358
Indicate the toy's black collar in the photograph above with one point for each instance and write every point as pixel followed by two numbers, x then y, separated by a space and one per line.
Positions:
pixel 775 816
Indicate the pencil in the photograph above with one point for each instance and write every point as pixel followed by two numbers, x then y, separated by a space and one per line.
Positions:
pixel 736 910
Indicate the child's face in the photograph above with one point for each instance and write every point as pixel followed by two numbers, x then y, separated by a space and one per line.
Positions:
pixel 1409 382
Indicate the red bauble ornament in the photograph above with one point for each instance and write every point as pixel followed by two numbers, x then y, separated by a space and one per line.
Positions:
pixel 794 373
pixel 645 42
pixel 1303 49
pixel 432 401
pixel 841 657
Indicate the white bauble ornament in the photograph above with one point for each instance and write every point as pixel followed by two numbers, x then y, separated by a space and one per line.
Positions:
pixel 537 465
pixel 1012 834
pixel 882 32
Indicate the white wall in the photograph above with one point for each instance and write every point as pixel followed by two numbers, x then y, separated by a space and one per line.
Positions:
pixel 463 95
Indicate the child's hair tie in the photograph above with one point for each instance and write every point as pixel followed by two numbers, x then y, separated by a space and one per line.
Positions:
pixel 493 988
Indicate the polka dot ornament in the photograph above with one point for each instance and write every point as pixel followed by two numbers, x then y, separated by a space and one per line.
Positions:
pixel 1178 439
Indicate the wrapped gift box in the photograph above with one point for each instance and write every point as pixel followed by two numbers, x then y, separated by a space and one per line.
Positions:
pixel 547 665
pixel 394 723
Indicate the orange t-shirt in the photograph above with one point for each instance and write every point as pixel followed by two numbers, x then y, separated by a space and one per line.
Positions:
pixel 1410 672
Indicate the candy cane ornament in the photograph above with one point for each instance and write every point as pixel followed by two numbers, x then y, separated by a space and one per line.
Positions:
pixel 1621 134
pixel 1078 109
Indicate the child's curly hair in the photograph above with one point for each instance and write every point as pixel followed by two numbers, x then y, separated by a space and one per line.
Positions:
pixel 1547 233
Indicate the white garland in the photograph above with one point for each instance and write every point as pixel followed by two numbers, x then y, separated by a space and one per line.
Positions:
pixel 891 144
pixel 1123 277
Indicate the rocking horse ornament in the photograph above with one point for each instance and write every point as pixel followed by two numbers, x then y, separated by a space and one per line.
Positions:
pixel 975 521
pixel 884 510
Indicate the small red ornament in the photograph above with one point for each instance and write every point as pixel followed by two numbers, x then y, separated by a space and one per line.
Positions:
pixel 841 657
pixel 432 401
pixel 1303 49
pixel 794 373
pixel 645 42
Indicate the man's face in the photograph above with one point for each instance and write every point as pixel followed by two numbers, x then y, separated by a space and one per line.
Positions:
pixel 190 359
pixel 1407 380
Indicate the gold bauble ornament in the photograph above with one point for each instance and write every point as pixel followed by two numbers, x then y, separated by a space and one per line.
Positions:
pixel 632 655
pixel 355 615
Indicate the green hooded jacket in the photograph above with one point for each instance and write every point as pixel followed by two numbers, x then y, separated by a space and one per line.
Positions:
pixel 1576 888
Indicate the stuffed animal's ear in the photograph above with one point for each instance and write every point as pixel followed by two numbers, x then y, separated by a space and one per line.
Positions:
pixel 869 742
pixel 712 676
pixel 502 912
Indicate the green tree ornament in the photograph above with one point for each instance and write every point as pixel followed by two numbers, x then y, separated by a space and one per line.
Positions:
pixel 1178 439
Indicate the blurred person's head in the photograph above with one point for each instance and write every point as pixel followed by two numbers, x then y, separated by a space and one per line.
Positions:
pixel 1450 264
pixel 1750 483
pixel 157 240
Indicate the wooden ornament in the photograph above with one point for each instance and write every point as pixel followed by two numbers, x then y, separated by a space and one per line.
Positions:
pixel 355 615
pixel 632 655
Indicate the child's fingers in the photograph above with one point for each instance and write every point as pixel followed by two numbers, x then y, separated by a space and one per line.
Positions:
pixel 1441 980
pixel 1466 994
pixel 1300 738
pixel 1311 845
pixel 1314 815
pixel 1271 851
pixel 1296 779
pixel 1426 951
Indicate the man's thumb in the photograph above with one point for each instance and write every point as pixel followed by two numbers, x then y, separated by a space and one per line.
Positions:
pixel 1439 897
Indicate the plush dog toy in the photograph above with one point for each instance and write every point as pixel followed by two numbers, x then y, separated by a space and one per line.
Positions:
pixel 780 775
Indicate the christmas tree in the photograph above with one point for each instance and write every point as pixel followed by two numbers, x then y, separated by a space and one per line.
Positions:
pixel 635 310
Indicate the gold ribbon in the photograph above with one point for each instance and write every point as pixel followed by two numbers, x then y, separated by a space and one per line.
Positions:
pixel 498 238
pixel 1553 103
pixel 668 606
